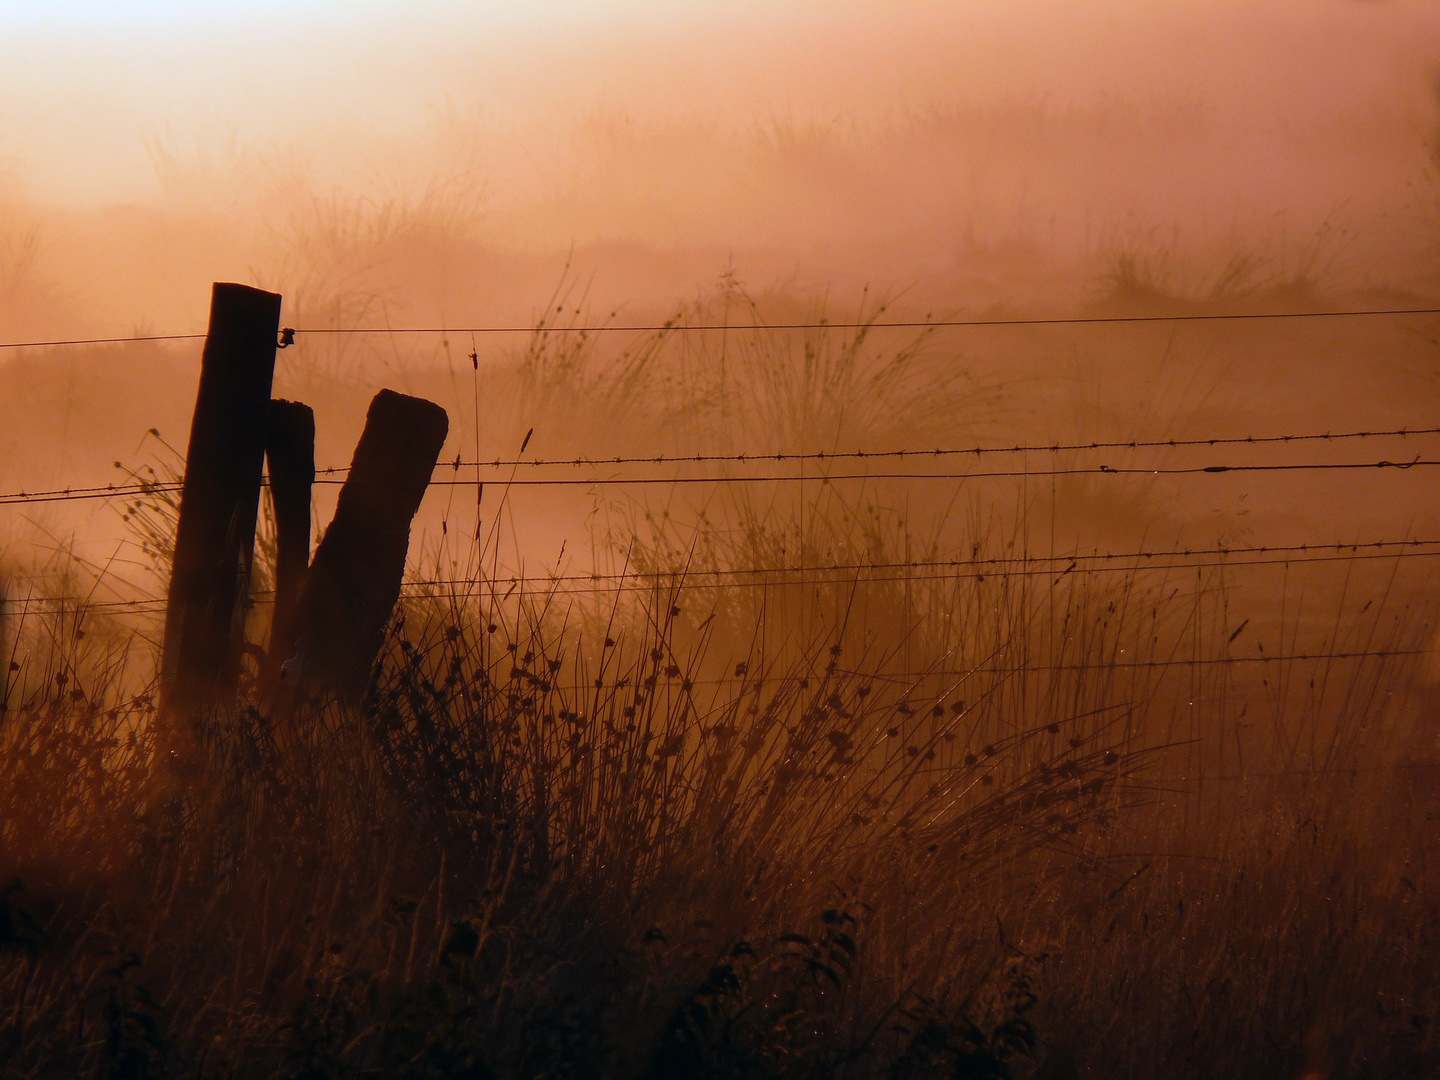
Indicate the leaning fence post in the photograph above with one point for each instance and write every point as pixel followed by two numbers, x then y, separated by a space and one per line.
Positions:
pixel 354 581
pixel 290 459
pixel 215 536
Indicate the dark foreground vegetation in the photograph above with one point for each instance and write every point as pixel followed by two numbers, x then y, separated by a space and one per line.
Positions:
pixel 605 841
pixel 819 799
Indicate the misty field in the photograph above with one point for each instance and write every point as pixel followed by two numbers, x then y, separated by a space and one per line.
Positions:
pixel 931 572
pixel 813 774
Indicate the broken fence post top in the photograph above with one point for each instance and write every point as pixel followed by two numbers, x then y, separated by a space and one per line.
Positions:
pixel 400 443
pixel 391 403
pixel 354 581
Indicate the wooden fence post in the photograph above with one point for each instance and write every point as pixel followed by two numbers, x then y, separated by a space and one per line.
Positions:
pixel 290 460
pixel 215 536
pixel 354 582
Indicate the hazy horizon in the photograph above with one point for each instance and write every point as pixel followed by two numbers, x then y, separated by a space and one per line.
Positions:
pixel 811 146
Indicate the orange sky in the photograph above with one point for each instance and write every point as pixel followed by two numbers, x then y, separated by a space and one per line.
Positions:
pixel 351 88
pixel 144 146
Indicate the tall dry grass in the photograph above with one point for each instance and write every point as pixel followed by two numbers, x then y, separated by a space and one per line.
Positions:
pixel 763 796
pixel 665 828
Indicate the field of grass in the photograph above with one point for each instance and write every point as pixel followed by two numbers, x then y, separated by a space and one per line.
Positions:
pixel 715 814
pixel 712 738
pixel 981 769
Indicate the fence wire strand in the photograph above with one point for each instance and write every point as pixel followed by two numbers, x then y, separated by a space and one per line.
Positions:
pixel 696 579
pixel 681 327
pixel 336 475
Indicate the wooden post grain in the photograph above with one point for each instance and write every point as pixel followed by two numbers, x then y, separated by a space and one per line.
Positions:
pixel 290 459
pixel 354 581
pixel 215 537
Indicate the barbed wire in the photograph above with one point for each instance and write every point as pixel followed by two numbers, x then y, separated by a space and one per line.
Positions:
pixel 607 585
pixel 956 571
pixel 1059 566
pixel 1023 558
pixel 336 475
pixel 977 451
pixel 913 679
pixel 73 494
pixel 681 327
pixel 1336 770
pixel 993 474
